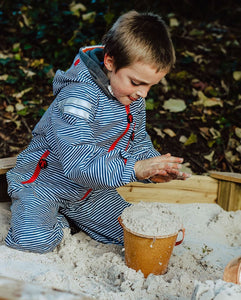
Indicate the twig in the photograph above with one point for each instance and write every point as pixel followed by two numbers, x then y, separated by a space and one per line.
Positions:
pixel 26 125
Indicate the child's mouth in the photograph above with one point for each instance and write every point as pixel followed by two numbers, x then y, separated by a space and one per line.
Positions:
pixel 131 98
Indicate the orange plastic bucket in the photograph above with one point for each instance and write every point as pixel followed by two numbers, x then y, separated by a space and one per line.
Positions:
pixel 148 253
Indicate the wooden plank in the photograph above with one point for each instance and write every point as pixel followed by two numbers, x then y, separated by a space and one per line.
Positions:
pixel 223 194
pixel 202 189
pixel 229 190
pixel 12 289
pixel 7 164
pixel 229 195
pixel 226 176
pixel 199 189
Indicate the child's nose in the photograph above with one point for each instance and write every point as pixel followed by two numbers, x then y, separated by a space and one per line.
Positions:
pixel 143 91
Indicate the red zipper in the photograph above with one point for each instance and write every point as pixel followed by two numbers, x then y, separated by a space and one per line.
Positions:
pixel 112 147
pixel 42 164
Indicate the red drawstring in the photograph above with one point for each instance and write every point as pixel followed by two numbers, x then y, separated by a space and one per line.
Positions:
pixel 112 147
pixel 42 164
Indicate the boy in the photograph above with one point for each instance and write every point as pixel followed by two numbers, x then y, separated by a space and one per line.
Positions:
pixel 92 139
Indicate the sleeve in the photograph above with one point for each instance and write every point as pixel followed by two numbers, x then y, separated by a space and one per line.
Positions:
pixel 82 160
pixel 142 147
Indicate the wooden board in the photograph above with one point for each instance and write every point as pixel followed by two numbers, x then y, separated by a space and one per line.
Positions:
pixel 12 289
pixel 7 164
pixel 223 188
pixel 227 176
pixel 202 189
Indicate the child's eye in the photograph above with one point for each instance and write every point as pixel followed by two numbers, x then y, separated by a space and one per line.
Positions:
pixel 134 83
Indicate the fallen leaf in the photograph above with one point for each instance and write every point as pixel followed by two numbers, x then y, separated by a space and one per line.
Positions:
pixel 20 94
pixel 5 56
pixel 28 72
pixel 159 132
pixel 207 102
pixel 238 132
pixel 89 16
pixel 197 84
pixel 173 22
pixel 37 62
pixel 183 139
pixel 4 77
pixel 174 105
pixel 19 106
pixel 215 133
pixel 204 132
pixel 230 157
pixel 237 75
pixel 191 140
pixel 238 149
pixel 209 156
pixel 10 108
pixel 76 7
pixel 169 132
pixel 150 104
pixel 196 32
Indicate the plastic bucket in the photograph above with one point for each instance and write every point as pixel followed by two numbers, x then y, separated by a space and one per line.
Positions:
pixel 148 253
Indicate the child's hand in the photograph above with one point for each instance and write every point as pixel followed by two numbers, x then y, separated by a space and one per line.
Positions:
pixel 162 168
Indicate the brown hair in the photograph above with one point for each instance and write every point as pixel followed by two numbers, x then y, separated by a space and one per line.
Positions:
pixel 140 37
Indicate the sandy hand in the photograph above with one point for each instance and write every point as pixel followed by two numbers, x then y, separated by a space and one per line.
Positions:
pixel 162 168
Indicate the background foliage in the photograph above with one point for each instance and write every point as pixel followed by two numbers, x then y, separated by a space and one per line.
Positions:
pixel 194 113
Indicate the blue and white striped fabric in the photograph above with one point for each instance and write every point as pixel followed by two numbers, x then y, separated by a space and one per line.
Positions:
pixel 78 129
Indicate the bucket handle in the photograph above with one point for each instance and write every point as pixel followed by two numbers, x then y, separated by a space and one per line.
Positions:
pixel 183 234
pixel 119 220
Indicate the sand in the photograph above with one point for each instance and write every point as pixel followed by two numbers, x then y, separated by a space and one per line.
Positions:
pixel 151 219
pixel 82 265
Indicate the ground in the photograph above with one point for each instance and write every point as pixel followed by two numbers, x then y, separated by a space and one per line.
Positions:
pixel 194 113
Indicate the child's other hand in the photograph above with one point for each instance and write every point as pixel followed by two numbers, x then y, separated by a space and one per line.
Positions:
pixel 162 168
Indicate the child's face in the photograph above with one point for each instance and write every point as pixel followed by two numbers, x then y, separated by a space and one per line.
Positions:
pixel 132 82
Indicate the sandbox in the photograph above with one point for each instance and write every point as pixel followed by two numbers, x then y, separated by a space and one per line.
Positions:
pixel 81 268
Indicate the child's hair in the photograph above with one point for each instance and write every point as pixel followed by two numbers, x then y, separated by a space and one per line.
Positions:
pixel 140 37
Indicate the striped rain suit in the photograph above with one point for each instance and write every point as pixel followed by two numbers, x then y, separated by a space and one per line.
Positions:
pixel 83 148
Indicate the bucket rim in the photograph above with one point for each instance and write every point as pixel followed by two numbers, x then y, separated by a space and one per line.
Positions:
pixel 149 236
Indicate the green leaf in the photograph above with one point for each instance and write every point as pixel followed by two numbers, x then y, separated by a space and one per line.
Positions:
pixel 196 32
pixel 150 104
pixel 109 18
pixel 191 140
pixel 4 61
pixel 23 112
pixel 11 79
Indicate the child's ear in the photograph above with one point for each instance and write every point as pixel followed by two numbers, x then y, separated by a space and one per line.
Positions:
pixel 109 62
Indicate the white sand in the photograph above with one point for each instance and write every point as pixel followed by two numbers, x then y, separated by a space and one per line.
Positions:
pixel 80 264
pixel 151 219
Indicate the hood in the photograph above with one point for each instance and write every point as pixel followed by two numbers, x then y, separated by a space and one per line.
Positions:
pixel 93 58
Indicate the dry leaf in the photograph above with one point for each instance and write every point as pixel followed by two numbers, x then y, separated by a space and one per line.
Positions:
pixel 183 139
pixel 209 156
pixel 237 75
pixel 19 106
pixel 159 132
pixel 238 132
pixel 4 77
pixel 20 94
pixel 169 132
pixel 174 105
pixel 207 102
pixel 173 22
pixel 10 108
pixel 76 7
pixel 28 72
